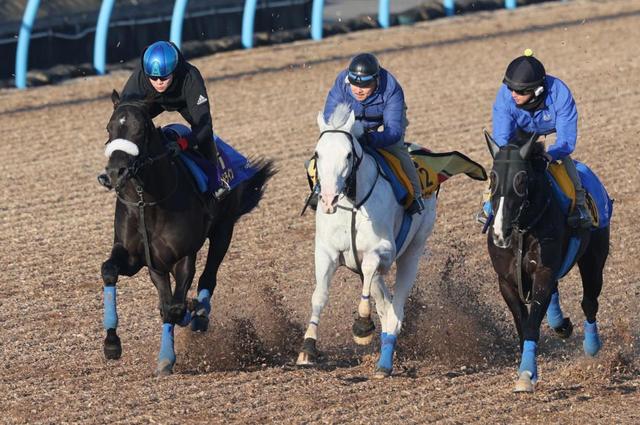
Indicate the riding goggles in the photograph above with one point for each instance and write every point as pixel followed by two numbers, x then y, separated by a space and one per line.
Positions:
pixel 155 78
pixel 360 80
pixel 521 92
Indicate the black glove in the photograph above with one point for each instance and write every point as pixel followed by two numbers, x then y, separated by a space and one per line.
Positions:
pixel 173 148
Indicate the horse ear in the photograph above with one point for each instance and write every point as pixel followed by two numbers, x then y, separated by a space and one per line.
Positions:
pixel 350 121
pixel 525 150
pixel 115 98
pixel 491 144
pixel 321 124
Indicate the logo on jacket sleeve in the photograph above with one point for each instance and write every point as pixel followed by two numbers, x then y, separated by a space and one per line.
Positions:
pixel 201 100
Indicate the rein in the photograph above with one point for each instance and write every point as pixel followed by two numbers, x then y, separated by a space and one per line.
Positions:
pixel 131 173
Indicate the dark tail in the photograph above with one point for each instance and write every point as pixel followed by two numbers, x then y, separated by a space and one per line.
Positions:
pixel 248 194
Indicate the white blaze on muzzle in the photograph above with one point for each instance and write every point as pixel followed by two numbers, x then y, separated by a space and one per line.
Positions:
pixel 123 145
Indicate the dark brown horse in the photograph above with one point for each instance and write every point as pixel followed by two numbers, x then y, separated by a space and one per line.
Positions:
pixel 528 242
pixel 161 222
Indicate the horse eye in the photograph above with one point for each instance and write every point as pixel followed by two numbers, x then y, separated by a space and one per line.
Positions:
pixel 493 182
pixel 520 183
pixel 349 155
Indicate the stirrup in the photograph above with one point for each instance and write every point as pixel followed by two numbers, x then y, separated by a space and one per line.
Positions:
pixel 221 192
pixel 416 207
pixel 579 218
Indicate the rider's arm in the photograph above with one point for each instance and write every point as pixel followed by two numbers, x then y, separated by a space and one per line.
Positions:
pixel 393 120
pixel 335 96
pixel 504 125
pixel 198 112
pixel 566 123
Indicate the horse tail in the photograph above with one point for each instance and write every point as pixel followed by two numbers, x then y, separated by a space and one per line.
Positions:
pixel 250 191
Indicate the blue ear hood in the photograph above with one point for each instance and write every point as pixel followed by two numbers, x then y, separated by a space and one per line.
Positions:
pixel 160 59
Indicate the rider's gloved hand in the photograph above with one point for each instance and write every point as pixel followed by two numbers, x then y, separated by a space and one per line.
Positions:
pixel 173 148
pixel 548 158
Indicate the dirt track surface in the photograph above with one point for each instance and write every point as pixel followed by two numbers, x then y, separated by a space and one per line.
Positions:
pixel 457 354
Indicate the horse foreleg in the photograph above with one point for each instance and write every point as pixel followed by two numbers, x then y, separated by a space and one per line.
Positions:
pixel 591 266
pixel 542 287
pixel 363 327
pixel 120 262
pixel 326 264
pixel 166 355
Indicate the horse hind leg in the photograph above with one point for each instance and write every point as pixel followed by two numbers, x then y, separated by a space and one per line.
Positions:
pixel 591 266
pixel 561 325
pixel 219 240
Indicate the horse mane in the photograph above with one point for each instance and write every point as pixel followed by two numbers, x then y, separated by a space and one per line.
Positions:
pixel 339 116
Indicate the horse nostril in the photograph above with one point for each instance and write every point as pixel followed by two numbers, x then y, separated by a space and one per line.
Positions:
pixel 335 200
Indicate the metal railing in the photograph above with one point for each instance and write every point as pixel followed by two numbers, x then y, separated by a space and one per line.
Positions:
pixel 179 11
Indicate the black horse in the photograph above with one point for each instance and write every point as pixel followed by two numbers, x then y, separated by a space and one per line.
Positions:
pixel 528 241
pixel 161 221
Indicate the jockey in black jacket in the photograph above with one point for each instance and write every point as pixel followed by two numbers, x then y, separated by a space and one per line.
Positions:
pixel 170 83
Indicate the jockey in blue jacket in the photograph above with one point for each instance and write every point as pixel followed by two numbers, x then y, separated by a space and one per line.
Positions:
pixel 377 100
pixel 532 101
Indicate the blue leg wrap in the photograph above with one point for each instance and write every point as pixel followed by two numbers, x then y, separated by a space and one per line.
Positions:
pixel 186 319
pixel 486 207
pixel 528 362
pixel 110 319
pixel 591 343
pixel 166 344
pixel 204 300
pixel 555 317
pixel 388 345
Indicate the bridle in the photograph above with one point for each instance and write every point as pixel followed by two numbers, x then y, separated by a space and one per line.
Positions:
pixel 349 189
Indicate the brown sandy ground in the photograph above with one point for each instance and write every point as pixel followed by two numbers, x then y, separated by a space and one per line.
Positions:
pixel 457 355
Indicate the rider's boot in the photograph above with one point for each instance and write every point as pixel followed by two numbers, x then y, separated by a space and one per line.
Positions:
pixel 417 206
pixel 580 217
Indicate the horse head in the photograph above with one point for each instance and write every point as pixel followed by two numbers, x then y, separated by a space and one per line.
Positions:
pixel 130 129
pixel 511 179
pixel 337 155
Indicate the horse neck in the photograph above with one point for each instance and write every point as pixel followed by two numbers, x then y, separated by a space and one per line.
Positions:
pixel 541 202
pixel 365 175
pixel 159 177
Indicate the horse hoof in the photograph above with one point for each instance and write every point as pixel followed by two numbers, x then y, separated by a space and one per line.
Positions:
pixel 592 346
pixel 363 340
pixel 112 346
pixel 165 368
pixel 304 359
pixel 565 330
pixel 362 330
pixel 524 384
pixel 200 324
pixel 381 373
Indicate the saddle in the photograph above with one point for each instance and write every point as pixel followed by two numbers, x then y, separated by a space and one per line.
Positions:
pixel 598 202
pixel 433 169
pixel 233 167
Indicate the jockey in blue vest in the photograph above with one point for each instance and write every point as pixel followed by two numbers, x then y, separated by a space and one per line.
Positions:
pixel 532 101
pixel 377 100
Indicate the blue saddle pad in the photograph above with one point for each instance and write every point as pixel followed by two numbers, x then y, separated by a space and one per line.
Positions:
pixel 399 190
pixel 233 167
pixel 598 200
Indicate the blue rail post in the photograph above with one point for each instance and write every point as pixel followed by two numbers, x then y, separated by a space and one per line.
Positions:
pixel 100 41
pixel 510 4
pixel 248 17
pixel 383 13
pixel 177 19
pixel 22 52
pixel 316 19
pixel 449 7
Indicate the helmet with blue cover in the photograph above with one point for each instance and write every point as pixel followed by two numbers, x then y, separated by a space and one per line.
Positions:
pixel 363 70
pixel 160 59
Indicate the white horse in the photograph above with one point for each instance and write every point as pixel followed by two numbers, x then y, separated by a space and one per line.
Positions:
pixel 357 221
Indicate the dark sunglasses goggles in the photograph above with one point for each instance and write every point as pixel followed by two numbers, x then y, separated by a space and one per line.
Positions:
pixel 361 80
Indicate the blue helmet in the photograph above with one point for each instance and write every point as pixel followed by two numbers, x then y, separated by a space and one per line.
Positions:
pixel 160 59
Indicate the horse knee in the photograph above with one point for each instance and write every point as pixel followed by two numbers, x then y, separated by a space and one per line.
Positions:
pixel 109 273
